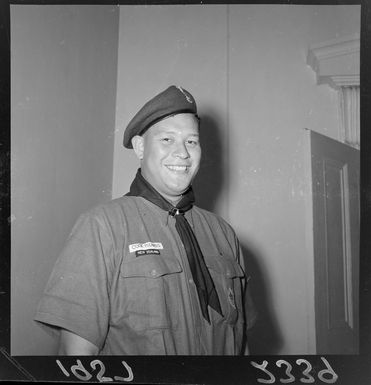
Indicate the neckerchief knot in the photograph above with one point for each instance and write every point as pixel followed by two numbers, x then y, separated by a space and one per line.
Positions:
pixel 175 211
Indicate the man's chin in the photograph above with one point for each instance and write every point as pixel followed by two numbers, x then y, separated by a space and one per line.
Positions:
pixel 179 183
pixel 178 190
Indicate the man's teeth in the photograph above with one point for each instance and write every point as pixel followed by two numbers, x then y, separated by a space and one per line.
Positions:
pixel 177 168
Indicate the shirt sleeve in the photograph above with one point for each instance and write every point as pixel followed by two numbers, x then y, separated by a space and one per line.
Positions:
pixel 250 311
pixel 76 297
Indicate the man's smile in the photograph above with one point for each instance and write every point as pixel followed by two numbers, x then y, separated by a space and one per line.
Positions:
pixel 177 168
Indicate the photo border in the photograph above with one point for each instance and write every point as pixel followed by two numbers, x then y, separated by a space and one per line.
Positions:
pixel 188 369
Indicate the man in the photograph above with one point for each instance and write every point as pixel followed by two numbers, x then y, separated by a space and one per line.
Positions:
pixel 150 272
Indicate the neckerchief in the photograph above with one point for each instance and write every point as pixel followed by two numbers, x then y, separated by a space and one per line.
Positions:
pixel 205 286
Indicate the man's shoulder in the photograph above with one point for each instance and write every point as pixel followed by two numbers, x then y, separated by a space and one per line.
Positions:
pixel 122 201
pixel 213 219
pixel 209 214
pixel 122 206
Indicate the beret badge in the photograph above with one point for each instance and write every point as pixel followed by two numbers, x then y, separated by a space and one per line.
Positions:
pixel 189 100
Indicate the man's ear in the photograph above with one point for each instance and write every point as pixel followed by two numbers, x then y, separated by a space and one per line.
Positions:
pixel 138 146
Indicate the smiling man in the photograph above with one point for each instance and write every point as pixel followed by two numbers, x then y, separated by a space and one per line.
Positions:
pixel 170 154
pixel 150 272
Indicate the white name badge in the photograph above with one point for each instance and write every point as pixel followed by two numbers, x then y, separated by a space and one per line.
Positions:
pixel 145 246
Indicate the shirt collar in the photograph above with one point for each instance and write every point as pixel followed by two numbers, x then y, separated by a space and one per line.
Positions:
pixel 164 215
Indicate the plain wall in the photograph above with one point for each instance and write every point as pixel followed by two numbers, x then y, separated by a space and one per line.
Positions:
pixel 63 84
pixel 246 67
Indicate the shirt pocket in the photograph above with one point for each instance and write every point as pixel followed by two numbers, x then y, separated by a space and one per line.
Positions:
pixel 227 275
pixel 151 290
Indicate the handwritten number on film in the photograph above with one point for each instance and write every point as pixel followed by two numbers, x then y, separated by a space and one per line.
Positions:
pixel 82 374
pixel 326 375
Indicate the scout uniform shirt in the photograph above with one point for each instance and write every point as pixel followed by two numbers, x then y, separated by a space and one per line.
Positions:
pixel 123 282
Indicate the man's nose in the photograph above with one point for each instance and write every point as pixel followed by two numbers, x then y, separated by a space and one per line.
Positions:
pixel 181 151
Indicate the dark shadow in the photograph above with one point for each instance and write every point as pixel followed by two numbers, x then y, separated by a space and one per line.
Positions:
pixel 265 337
pixel 210 178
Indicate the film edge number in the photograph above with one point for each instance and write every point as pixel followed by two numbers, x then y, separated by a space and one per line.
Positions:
pixel 307 379
pixel 86 376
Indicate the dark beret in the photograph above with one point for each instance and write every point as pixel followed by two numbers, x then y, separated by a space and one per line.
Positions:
pixel 174 100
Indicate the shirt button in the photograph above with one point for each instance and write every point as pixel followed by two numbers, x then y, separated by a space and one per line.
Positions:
pixel 153 272
pixel 190 280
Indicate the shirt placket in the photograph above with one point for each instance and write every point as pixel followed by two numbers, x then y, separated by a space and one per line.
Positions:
pixel 191 290
pixel 201 336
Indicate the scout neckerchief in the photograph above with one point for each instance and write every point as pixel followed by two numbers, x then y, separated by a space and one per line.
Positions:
pixel 205 286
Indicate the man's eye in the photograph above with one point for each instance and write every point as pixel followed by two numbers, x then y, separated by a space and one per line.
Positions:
pixel 166 140
pixel 192 142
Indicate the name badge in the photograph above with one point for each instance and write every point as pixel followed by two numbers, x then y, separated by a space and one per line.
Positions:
pixel 145 246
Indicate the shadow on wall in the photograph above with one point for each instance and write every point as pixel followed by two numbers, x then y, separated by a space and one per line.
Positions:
pixel 264 338
pixel 210 177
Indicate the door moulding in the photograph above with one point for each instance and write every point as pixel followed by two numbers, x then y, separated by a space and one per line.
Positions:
pixel 336 62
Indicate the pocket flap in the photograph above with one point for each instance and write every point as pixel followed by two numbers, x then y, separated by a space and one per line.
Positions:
pixel 224 266
pixel 150 267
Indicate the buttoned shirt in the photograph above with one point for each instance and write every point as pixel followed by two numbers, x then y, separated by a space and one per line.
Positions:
pixel 123 282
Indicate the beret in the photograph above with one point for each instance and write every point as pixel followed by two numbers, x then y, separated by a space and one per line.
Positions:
pixel 174 100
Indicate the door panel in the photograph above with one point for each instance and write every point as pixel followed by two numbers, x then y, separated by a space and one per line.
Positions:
pixel 335 186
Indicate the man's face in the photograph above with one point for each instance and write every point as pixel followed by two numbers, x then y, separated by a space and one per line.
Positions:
pixel 170 154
